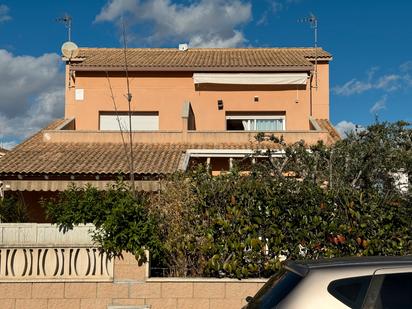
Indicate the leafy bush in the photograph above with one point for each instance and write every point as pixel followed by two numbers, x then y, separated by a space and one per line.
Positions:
pixel 329 201
pixel 121 219
pixel 13 210
pixel 237 226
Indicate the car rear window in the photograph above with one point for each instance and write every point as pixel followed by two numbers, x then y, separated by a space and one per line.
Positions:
pixel 396 291
pixel 275 290
pixel 350 291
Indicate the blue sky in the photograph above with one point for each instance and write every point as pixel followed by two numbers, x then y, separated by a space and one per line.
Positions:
pixel 370 76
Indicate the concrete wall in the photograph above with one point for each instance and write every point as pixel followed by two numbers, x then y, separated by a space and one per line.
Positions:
pixel 129 286
pixel 175 137
pixel 42 234
pixel 165 93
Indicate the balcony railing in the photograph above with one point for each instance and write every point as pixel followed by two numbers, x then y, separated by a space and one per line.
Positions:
pixel 200 137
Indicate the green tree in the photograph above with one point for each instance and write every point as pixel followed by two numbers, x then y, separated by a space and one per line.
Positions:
pixel 121 219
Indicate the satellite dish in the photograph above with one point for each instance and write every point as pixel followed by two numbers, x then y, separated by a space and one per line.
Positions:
pixel 70 50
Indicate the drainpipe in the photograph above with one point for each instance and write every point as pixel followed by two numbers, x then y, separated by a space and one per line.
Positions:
pixel 311 94
pixel 185 120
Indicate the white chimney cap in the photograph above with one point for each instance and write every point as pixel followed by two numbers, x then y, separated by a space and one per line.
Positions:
pixel 183 47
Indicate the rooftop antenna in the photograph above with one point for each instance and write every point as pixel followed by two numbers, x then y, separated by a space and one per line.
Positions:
pixel 313 21
pixel 69 49
pixel 66 19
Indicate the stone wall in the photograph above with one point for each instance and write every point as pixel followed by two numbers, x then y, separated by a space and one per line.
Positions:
pixel 129 286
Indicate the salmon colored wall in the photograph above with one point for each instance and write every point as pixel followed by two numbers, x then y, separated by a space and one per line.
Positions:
pixel 166 92
pixel 320 95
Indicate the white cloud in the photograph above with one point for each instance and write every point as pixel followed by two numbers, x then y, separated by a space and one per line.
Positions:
pixel 406 66
pixel 277 6
pixel 201 23
pixel 351 87
pixel 379 105
pixel 31 94
pixel 346 127
pixel 263 20
pixel 4 13
pixel 386 83
pixel 8 145
pixel 274 7
pixel 115 9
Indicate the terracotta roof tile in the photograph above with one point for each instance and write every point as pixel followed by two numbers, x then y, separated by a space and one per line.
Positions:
pixel 86 158
pixel 34 156
pixel 198 58
pixel 326 125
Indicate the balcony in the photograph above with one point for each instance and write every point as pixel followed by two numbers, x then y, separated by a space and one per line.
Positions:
pixel 322 130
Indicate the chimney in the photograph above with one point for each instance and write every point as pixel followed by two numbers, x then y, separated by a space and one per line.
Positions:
pixel 183 47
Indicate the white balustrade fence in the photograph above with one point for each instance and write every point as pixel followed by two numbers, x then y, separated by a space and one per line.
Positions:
pixel 40 252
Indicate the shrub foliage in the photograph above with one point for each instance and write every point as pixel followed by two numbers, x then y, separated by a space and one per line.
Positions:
pixel 328 201
pixel 121 219
pixel 13 209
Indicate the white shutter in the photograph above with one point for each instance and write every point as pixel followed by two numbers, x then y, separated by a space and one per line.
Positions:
pixel 139 122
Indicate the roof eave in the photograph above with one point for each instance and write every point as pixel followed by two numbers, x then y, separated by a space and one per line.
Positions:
pixel 193 69
pixel 327 59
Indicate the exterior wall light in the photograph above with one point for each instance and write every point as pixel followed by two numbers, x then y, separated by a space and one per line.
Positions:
pixel 220 104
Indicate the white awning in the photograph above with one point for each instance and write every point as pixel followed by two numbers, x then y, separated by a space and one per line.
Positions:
pixel 251 78
pixel 61 185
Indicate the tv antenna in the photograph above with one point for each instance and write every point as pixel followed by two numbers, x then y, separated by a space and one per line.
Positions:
pixel 69 49
pixel 313 21
pixel 66 19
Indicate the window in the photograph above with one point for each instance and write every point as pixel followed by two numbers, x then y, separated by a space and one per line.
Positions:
pixel 275 290
pixel 140 122
pixel 395 292
pixel 350 291
pixel 255 123
pixel 79 94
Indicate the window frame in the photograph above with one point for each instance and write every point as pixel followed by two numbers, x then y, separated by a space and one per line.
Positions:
pixel 125 115
pixel 377 281
pixel 364 282
pixel 254 117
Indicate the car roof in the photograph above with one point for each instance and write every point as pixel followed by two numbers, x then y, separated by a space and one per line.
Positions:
pixel 302 267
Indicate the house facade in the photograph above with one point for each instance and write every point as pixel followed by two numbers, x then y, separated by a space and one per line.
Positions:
pixel 187 106
pixel 222 85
